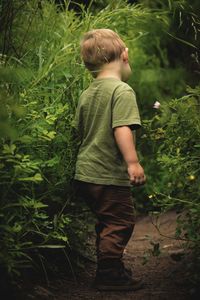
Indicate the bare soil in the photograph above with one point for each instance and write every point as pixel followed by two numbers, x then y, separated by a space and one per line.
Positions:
pixel 165 276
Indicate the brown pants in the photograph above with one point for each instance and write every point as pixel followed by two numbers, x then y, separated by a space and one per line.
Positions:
pixel 113 208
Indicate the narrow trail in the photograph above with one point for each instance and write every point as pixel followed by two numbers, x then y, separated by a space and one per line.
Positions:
pixel 165 275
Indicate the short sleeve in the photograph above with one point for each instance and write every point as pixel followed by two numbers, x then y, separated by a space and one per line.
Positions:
pixel 125 110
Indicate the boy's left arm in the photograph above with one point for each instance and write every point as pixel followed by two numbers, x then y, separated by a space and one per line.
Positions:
pixel 125 141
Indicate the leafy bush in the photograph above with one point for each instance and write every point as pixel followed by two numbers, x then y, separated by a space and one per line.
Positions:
pixel 175 132
pixel 41 86
pixel 177 67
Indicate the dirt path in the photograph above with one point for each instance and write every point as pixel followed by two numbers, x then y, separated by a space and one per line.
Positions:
pixel 165 277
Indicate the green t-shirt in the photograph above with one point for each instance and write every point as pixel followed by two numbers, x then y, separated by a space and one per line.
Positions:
pixel 106 104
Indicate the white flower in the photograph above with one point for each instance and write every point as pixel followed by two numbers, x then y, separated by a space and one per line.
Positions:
pixel 156 105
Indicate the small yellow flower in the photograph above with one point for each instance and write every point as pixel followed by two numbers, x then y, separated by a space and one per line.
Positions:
pixel 192 177
pixel 150 196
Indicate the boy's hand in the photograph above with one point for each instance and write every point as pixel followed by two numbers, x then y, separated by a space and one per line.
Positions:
pixel 136 174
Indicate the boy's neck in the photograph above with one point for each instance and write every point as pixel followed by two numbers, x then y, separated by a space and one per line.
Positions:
pixel 108 75
pixel 110 70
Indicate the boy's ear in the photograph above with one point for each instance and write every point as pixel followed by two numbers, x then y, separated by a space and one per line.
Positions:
pixel 124 55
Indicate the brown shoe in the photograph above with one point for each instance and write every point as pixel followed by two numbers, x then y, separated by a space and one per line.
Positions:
pixel 114 264
pixel 116 280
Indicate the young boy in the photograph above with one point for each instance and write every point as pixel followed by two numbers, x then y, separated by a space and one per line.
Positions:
pixel 107 163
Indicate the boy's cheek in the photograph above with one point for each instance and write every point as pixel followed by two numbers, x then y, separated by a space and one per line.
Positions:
pixel 126 73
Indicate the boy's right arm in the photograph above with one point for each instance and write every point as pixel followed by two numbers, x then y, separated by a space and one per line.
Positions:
pixel 124 138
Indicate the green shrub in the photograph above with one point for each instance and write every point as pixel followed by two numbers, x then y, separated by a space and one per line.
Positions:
pixel 175 133
pixel 41 87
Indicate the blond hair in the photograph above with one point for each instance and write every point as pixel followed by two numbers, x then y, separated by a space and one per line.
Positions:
pixel 100 46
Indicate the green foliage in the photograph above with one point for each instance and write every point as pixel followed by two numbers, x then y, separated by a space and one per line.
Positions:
pixel 41 87
pixel 171 60
pixel 176 66
pixel 175 132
